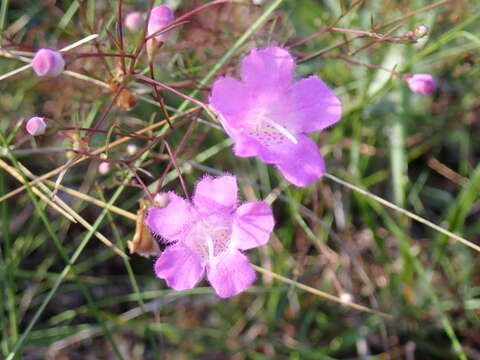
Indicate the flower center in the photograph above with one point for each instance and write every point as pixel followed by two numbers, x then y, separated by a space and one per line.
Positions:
pixel 210 237
pixel 269 132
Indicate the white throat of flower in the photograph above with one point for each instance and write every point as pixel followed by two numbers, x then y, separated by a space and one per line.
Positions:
pixel 210 248
pixel 265 118
pixel 209 238
pixel 282 130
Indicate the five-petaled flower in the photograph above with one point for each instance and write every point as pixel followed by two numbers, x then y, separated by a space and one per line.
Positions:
pixel 208 234
pixel 48 63
pixel 268 114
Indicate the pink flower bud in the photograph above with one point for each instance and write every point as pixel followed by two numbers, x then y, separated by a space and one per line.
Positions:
pixel 48 62
pixel 160 17
pixel 346 297
pixel 36 126
pixel 161 200
pixel 104 167
pixel 134 21
pixel 132 149
pixel 421 83
pixel 421 30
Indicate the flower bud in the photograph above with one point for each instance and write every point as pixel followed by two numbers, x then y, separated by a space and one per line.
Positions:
pixel 160 17
pixel 421 83
pixel 104 167
pixel 421 30
pixel 346 297
pixel 132 149
pixel 134 21
pixel 48 63
pixel 161 200
pixel 36 126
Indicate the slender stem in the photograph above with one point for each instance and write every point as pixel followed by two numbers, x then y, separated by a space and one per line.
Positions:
pixel 318 292
pixel 179 172
pixel 157 94
pixel 79 42
pixel 404 211
pixel 398 161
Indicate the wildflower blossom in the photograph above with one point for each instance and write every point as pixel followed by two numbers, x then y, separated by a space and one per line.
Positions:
pixel 421 83
pixel 268 114
pixel 208 234
pixel 160 17
pixel 134 21
pixel 48 63
pixel 36 126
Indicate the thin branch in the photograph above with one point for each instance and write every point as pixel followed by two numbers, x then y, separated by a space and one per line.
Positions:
pixel 405 212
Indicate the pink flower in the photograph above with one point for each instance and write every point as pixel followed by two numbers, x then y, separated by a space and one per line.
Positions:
pixel 208 234
pixel 48 63
pixel 268 114
pixel 421 83
pixel 36 126
pixel 134 21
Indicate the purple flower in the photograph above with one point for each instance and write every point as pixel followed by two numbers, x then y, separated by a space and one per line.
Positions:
pixel 36 126
pixel 268 114
pixel 208 234
pixel 48 62
pixel 421 83
pixel 134 21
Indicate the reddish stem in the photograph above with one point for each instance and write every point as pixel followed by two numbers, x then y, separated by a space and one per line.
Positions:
pixel 120 34
pixel 164 86
pixel 174 161
pixel 179 148
pixel 159 97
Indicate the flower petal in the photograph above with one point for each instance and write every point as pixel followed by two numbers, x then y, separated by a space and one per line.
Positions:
pixel 221 191
pixel 170 221
pixel 252 225
pixel 232 275
pixel 228 96
pixel 316 107
pixel 268 68
pixel 230 99
pixel 303 163
pixel 179 267
pixel 245 146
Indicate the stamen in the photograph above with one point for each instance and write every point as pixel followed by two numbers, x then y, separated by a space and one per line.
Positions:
pixel 281 130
